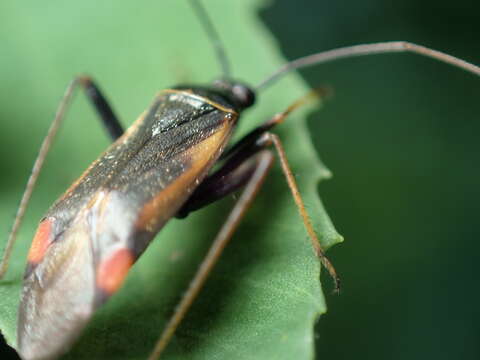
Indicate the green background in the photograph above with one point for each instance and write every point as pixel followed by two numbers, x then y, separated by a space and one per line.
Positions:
pixel 401 136
pixel 402 139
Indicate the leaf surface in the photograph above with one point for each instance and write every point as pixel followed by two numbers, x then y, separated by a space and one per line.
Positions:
pixel 264 296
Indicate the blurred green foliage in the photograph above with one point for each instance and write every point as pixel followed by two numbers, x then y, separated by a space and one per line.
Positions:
pixel 401 136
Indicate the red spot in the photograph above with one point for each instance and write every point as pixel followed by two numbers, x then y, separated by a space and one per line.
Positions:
pixel 112 271
pixel 40 242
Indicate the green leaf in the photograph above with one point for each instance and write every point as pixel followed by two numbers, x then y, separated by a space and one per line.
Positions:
pixel 264 296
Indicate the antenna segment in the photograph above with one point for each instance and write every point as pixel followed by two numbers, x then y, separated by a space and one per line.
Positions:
pixel 367 49
pixel 213 36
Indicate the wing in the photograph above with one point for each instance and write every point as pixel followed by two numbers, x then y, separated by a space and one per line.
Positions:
pixel 90 238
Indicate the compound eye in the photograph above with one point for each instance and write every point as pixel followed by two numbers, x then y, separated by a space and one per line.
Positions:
pixel 244 95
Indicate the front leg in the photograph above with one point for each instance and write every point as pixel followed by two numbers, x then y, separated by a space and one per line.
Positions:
pixel 108 119
pixel 231 176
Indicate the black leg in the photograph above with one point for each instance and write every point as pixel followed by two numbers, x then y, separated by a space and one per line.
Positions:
pixel 234 173
pixel 252 137
pixel 110 122
pixel 108 117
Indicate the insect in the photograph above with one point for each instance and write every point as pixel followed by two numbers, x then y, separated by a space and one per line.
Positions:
pixel 48 224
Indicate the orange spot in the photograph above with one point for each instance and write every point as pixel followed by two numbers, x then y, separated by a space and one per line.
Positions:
pixel 40 242
pixel 112 272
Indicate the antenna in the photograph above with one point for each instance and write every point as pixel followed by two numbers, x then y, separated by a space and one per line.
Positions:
pixel 367 49
pixel 213 36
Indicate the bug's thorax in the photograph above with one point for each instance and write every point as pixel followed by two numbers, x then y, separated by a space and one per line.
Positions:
pixel 224 93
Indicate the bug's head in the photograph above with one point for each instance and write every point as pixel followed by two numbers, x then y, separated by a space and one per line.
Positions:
pixel 240 94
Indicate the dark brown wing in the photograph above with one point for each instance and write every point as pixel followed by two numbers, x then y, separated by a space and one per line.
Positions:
pixel 90 237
